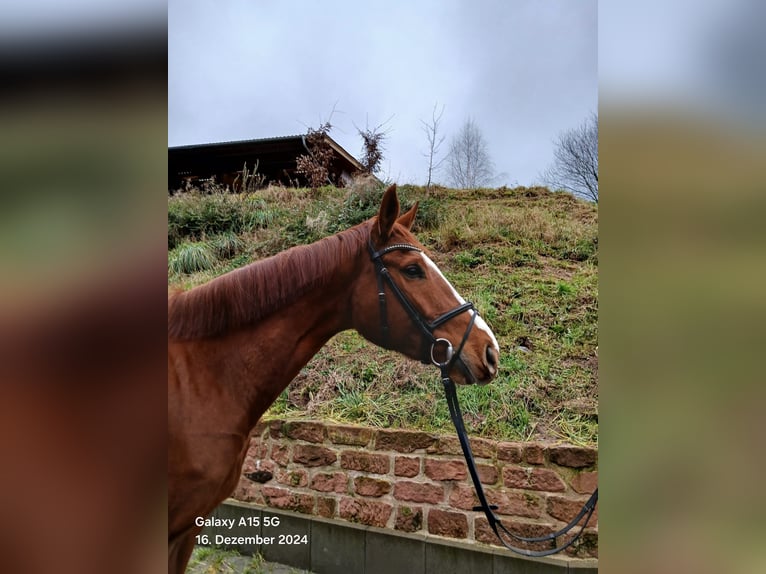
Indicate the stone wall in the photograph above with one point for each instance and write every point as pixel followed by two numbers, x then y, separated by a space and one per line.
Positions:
pixel 418 482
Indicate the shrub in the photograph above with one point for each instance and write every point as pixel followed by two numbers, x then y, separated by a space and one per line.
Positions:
pixel 226 245
pixel 195 216
pixel 358 206
pixel 430 214
pixel 190 258
pixel 256 214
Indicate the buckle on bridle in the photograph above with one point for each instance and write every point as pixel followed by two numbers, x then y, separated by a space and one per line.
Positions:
pixel 449 352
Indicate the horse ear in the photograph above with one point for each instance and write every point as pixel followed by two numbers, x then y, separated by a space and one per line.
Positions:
pixel 389 211
pixel 408 218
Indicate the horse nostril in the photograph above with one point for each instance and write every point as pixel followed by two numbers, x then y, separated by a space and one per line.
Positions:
pixel 491 358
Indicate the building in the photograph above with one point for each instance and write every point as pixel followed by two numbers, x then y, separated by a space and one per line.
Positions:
pixel 275 159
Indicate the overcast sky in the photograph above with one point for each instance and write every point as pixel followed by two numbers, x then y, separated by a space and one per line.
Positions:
pixel 522 69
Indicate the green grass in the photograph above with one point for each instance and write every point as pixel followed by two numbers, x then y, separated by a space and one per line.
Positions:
pixel 189 258
pixel 227 245
pixel 527 258
pixel 210 560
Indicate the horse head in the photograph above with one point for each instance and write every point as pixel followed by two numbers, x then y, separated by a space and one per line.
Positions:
pixel 402 301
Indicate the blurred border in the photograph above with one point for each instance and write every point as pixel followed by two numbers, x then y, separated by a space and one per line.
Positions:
pixel 681 304
pixel 83 405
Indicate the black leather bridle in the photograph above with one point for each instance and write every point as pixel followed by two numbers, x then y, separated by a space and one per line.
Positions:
pixel 428 328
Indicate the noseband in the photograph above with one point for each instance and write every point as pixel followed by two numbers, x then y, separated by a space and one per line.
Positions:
pixel 427 328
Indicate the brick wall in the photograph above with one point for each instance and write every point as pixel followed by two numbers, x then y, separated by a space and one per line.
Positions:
pixel 418 482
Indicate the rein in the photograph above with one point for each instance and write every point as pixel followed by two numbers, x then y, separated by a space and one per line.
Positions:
pixel 494 522
pixel 427 328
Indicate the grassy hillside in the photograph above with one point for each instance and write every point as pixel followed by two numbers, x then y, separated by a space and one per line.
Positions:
pixel 526 257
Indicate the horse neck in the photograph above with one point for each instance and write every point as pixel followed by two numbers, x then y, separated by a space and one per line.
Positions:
pixel 259 360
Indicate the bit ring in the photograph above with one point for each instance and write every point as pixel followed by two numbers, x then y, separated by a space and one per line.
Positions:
pixel 449 353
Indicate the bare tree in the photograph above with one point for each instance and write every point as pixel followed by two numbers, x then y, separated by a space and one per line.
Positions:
pixel 435 141
pixel 575 161
pixel 470 165
pixel 372 146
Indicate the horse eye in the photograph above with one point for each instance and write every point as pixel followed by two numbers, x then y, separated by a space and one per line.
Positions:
pixel 414 272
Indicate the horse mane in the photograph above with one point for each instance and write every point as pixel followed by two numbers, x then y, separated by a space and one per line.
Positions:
pixel 246 295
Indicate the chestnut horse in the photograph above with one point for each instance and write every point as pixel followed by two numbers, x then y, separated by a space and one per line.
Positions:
pixel 236 342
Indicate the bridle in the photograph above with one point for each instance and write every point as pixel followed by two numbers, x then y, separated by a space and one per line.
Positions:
pixel 427 328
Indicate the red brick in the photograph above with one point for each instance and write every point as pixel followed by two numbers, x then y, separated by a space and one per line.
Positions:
pixel 247 491
pixel 565 509
pixel 282 498
pixel 313 455
pixel 418 492
pixel 365 462
pixel 534 454
pixel 281 454
pixel 445 469
pixel 367 486
pixel 584 482
pixel 369 512
pixel 259 430
pixel 274 491
pixel 463 497
pixel 254 464
pixel 258 448
pixel 297 477
pixel 511 503
pixel 330 482
pixel 532 530
pixel 403 440
pixel 516 503
pixel 406 466
pixel 303 430
pixel 481 447
pixel 445 523
pixel 483 533
pixel 326 506
pixel 488 473
pixel 275 428
pixel 509 451
pixel 586 546
pixel 445 445
pixel 409 518
pixel 347 434
pixel 532 479
pixel 573 456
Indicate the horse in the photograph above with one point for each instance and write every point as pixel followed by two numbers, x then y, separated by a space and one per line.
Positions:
pixel 235 343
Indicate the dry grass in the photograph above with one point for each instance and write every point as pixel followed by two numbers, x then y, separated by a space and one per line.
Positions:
pixel 528 259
